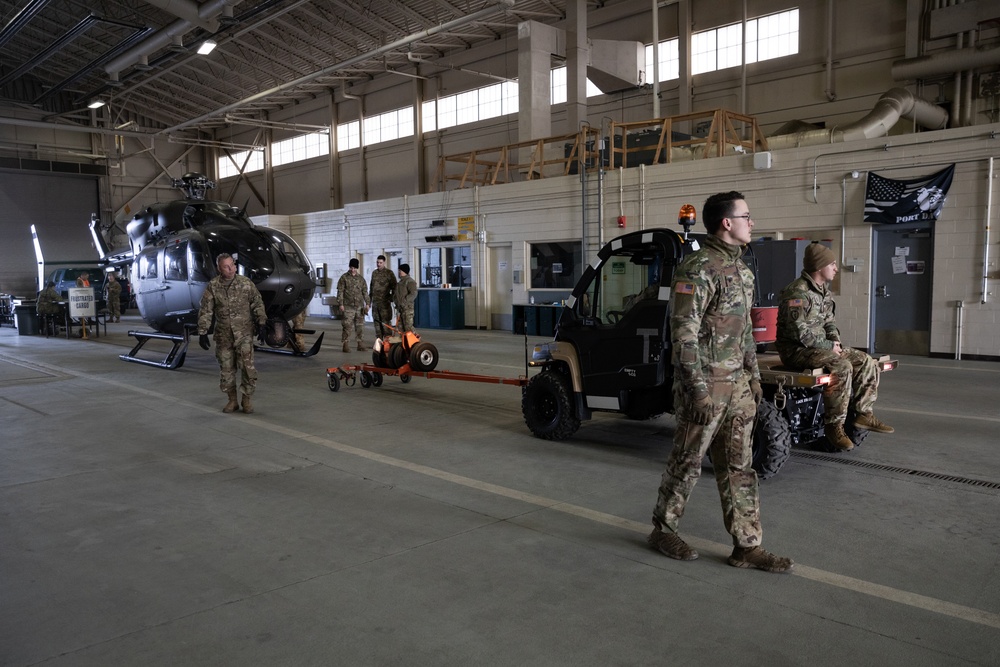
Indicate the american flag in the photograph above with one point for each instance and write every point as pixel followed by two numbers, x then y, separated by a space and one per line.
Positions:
pixel 890 201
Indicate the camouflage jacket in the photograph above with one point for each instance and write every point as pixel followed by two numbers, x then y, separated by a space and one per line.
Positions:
pixel 236 308
pixel 47 303
pixel 806 317
pixel 113 290
pixel 352 293
pixel 383 283
pixel 710 329
pixel 406 293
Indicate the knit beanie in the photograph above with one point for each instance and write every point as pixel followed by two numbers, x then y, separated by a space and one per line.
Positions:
pixel 353 264
pixel 817 257
pixel 405 268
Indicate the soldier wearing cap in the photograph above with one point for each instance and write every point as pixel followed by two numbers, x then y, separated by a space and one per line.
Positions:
pixel 808 338
pixel 381 286
pixel 352 293
pixel 716 388
pixel 405 296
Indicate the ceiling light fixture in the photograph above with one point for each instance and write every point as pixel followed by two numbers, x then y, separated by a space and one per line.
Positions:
pixel 207 47
pixel 96 104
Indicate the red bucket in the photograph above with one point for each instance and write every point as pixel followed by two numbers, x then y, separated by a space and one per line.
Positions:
pixel 765 324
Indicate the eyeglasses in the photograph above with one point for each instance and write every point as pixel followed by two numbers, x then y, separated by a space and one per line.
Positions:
pixel 745 216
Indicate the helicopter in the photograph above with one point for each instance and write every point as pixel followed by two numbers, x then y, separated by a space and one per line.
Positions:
pixel 172 257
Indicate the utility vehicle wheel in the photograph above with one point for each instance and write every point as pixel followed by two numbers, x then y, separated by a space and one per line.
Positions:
pixel 332 381
pixel 397 356
pixel 366 379
pixel 547 405
pixel 376 379
pixel 404 378
pixel 772 440
pixel 423 357
pixel 351 379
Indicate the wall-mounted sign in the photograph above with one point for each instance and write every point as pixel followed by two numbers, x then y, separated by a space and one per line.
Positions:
pixel 466 227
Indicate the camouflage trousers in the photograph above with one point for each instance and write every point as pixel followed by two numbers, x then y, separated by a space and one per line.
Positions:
pixel 727 441
pixel 299 322
pixel 404 319
pixel 855 380
pixel 354 321
pixel 382 314
pixel 236 355
pixel 114 308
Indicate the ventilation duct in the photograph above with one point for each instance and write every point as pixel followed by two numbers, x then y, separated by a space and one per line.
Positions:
pixel 894 104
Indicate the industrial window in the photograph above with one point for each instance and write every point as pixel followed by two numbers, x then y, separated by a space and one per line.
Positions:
pixel 670 60
pixel 231 167
pixel 470 106
pixel 555 265
pixel 452 265
pixel 388 126
pixel 558 87
pixel 302 147
pixel 349 135
pixel 147 265
pixel 771 36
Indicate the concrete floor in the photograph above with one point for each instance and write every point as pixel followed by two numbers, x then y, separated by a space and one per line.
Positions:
pixel 421 524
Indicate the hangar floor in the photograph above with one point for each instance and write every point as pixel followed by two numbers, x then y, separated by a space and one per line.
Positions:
pixel 421 524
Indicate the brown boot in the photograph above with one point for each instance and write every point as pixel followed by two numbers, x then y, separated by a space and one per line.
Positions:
pixel 757 558
pixel 836 437
pixel 247 404
pixel 231 405
pixel 670 544
pixel 870 422
pixel 347 348
pixel 361 347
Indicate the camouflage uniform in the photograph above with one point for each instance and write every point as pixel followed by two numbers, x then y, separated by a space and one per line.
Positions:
pixel 383 283
pixel 352 293
pixel 714 355
pixel 113 295
pixel 806 334
pixel 47 303
pixel 236 307
pixel 404 297
pixel 299 322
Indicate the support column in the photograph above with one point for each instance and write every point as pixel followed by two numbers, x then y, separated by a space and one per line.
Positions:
pixel 577 59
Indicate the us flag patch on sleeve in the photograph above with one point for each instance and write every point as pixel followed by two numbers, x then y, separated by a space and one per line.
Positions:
pixel 795 303
pixel 684 288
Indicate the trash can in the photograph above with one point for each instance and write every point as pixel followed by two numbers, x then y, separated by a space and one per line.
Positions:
pixel 26 320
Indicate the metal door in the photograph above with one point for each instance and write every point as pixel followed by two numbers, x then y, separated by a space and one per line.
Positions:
pixel 901 288
pixel 501 288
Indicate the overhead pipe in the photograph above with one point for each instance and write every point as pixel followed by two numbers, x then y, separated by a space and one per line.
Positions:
pixel 81 27
pixel 947 62
pixel 201 17
pixel 16 24
pixel 831 92
pixel 326 71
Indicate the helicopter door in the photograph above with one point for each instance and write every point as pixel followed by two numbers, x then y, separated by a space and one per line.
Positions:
pixel 177 293
pixel 148 289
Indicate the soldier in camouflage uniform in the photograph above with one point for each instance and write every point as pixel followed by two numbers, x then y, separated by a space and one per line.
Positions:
pixel 808 338
pixel 352 293
pixel 405 296
pixel 716 388
pixel 112 296
pixel 236 305
pixel 382 285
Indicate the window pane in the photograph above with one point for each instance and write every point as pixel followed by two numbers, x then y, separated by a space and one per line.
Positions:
pixel 555 265
pixel 447 114
pixel 703 52
pixel 510 96
pixel 489 102
pixel 729 39
pixel 467 105
pixel 557 85
pixel 428 116
pixel 670 61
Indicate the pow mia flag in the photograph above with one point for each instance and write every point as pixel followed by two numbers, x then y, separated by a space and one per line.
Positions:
pixel 893 202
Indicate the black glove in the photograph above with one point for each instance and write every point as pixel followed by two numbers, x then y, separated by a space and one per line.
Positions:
pixel 204 342
pixel 262 333
pixel 702 410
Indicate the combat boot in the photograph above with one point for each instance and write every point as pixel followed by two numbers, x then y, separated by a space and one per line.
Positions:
pixel 361 347
pixel 347 347
pixel 835 436
pixel 870 422
pixel 231 405
pixel 759 559
pixel 247 404
pixel 670 544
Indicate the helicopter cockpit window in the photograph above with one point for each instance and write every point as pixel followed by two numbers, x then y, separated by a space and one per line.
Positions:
pixel 147 266
pixel 199 261
pixel 622 281
pixel 291 249
pixel 175 263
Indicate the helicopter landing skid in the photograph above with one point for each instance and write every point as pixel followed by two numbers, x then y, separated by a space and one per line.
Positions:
pixel 293 351
pixel 174 358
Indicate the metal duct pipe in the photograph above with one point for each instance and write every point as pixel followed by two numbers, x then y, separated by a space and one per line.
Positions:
pixel 190 12
pixel 895 103
pixel 944 63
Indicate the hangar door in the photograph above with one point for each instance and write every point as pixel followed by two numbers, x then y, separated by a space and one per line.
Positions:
pixel 901 288
pixel 60 207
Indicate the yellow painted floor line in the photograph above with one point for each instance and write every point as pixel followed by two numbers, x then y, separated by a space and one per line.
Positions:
pixel 915 600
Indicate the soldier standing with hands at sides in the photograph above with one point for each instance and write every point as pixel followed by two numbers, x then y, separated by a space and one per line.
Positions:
pixel 352 293
pixel 236 305
pixel 716 388
pixel 382 284
pixel 405 296
pixel 808 338
pixel 112 296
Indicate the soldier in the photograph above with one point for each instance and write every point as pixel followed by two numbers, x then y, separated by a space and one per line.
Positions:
pixel 48 300
pixel 352 293
pixel 112 296
pixel 716 388
pixel 405 295
pixel 382 284
pixel 299 322
pixel 808 338
pixel 236 305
